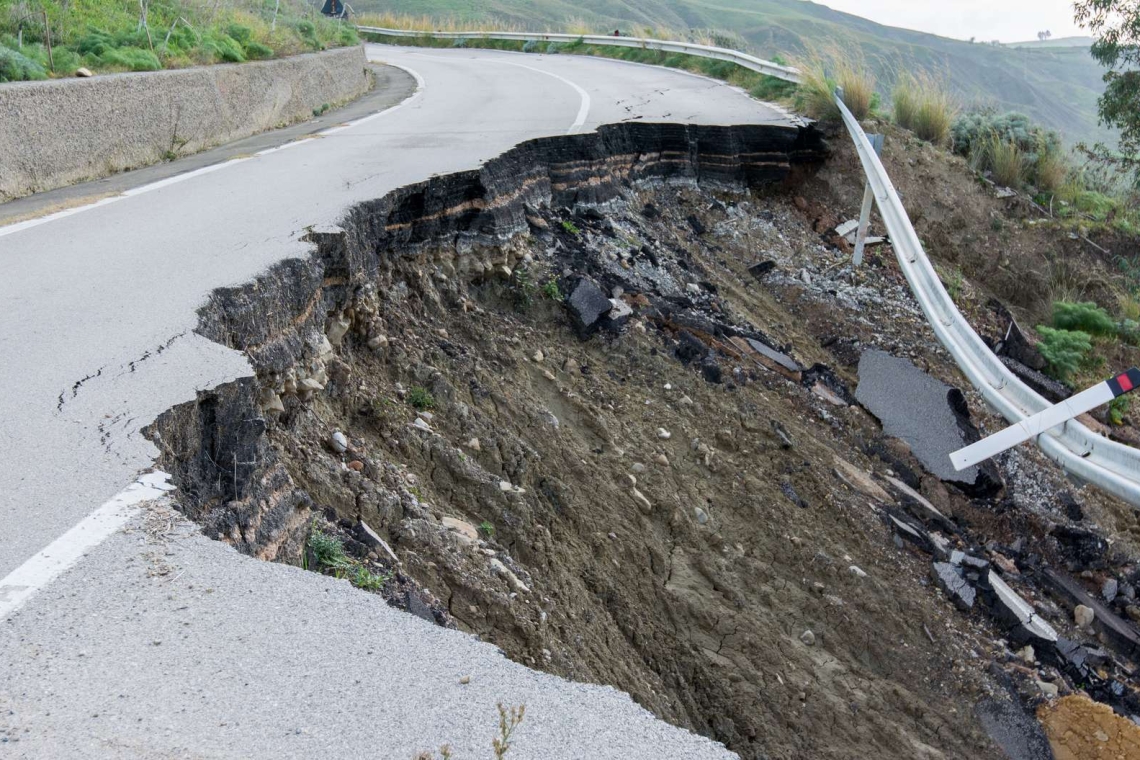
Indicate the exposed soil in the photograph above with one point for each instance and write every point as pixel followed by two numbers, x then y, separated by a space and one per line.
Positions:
pixel 645 500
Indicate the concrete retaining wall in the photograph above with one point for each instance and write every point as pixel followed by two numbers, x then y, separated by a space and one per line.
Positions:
pixel 66 131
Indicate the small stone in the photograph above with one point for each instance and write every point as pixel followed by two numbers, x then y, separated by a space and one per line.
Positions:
pixel 664 434
pixel 83 72
pixel 1110 589
pixel 662 460
pixel 465 680
pixel 638 467
pixel 339 442
pixel 702 516
pixel 356 465
pixel 461 527
pixel 857 571
pixel 474 445
pixel 1048 689
pixel 686 401
pixel 505 485
pixel 1133 612
pixel 548 375
pixel 419 424
pixel 643 503
pixel 378 342
pixel 808 638
pixel 426 416
pixel 538 356
pixel 1027 654
pixel 1084 616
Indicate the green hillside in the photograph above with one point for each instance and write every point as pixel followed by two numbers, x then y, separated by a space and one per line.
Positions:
pixel 1057 86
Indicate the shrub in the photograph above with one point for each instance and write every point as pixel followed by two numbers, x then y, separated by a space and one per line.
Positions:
pixel 1051 170
pixel 240 34
pixel 131 58
pixel 328 551
pixel 222 47
pixel 419 398
pixel 16 67
pixel 976 135
pixel 923 105
pixel 255 51
pixel 825 70
pixel 1005 159
pixel 1064 350
pixel 1084 316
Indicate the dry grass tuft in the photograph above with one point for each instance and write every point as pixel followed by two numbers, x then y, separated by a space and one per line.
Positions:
pixel 825 69
pixel 923 105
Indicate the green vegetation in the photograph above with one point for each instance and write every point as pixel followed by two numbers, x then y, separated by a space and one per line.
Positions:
pixel 571 227
pixel 509 720
pixel 487 529
pixel 825 70
pixel 43 38
pixel 1116 25
pixel 421 399
pixel 523 288
pixel 329 556
pixel 1084 316
pixel 923 105
pixel 1064 350
pixel 1118 409
pixel 551 290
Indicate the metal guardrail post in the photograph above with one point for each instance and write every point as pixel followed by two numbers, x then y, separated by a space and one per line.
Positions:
pixel 865 213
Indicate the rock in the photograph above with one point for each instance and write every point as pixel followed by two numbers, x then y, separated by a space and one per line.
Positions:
pixel 857 571
pixel 461 527
pixel 378 342
pixel 1083 616
pixel 808 638
pixel 474 445
pixel 701 515
pixel 949 579
pixel 464 680
pixel 512 579
pixel 1027 654
pixel 538 355
pixel 356 465
pixel 83 72
pixel 664 434
pixel 587 305
pixel 783 436
pixel 418 607
pixel 339 442
pixel 311 384
pixel 373 539
pixel 270 401
pixel 620 311
pixel 789 491
pixel 643 503
pixel 860 481
pixel 420 424
pixel 1048 690
pixel 662 460
pixel 638 467
pixel 505 486
pixel 337 329
pixel 1109 589
pixel 761 269
pixel 686 401
pixel 828 395
pixel 1113 630
pixel 918 506
pixel 1133 612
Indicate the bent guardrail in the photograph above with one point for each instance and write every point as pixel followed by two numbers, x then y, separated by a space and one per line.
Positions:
pixel 1107 464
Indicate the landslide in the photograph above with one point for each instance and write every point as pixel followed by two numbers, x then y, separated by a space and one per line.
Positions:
pixel 645 499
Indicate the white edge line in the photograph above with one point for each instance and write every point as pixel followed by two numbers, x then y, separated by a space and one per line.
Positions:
pixel 62 554
pixel 177 178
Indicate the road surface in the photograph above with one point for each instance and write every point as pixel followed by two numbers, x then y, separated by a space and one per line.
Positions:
pixel 226 656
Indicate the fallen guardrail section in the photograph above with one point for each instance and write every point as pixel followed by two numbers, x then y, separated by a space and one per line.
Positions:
pixel 1107 464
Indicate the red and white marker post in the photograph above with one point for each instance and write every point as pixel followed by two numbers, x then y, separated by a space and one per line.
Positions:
pixel 1042 422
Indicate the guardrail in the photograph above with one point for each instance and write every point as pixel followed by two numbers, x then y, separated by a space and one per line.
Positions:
pixel 1108 464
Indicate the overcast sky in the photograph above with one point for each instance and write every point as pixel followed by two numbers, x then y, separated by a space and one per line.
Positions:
pixel 1005 20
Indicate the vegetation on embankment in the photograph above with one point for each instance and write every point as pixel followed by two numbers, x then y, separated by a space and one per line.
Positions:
pixel 40 39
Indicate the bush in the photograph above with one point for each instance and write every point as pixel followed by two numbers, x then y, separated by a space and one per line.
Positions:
pixel 1005 159
pixel 240 34
pixel 421 399
pixel 222 47
pixel 822 72
pixel 255 51
pixel 923 106
pixel 1051 169
pixel 1064 350
pixel 1084 316
pixel 16 67
pixel 132 59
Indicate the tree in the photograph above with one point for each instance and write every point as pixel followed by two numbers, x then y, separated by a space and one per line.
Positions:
pixel 1116 26
pixel 1044 35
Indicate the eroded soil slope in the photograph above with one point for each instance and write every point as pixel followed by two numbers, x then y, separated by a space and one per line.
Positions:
pixel 598 407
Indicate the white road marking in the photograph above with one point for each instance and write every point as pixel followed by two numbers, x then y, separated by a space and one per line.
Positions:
pixel 584 97
pixel 60 555
pixel 177 178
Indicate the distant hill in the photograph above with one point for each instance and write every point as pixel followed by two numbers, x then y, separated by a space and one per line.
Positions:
pixel 1082 42
pixel 1055 84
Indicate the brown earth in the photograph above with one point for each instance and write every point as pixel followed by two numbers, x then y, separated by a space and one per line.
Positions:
pixel 703 531
pixel 1080 729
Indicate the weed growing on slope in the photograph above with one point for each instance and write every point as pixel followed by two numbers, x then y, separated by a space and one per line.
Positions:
pixel 923 105
pixel 551 290
pixel 1065 351
pixel 1084 316
pixel 420 399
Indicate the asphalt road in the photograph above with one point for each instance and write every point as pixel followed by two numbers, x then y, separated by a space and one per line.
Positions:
pixel 226 656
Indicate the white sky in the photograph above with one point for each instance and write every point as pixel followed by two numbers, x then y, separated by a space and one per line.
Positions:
pixel 1005 20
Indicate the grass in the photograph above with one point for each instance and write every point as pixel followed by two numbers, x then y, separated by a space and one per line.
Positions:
pixel 57 37
pixel 487 529
pixel 510 718
pixel 923 105
pixel 330 557
pixel 421 399
pixel 821 72
pixel 571 228
pixel 1005 159
pixel 551 290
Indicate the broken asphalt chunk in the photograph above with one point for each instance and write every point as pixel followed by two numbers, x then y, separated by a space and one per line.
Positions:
pixel 1017 616
pixel 949 578
pixel 587 305
pixel 1117 633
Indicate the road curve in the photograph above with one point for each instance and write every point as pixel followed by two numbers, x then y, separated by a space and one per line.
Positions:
pixel 97 335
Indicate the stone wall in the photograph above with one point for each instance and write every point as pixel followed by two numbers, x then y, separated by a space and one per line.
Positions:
pixel 65 131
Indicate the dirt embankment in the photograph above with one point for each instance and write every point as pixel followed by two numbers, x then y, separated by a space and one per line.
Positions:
pixel 595 404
